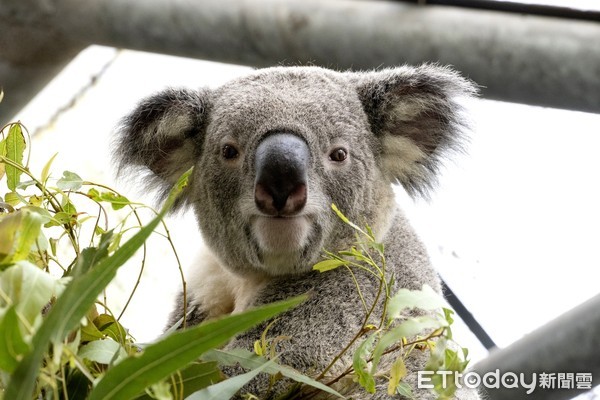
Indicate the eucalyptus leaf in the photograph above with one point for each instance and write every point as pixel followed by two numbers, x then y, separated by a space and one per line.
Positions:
pixel 249 360
pixel 192 378
pixel 226 389
pixel 159 360
pixel 116 201
pixel 350 223
pixel 18 234
pixel 2 154
pixel 199 375
pixel 46 169
pixel 15 148
pixel 12 343
pixel 13 198
pixel 92 255
pixel 397 373
pixel 404 389
pixel 359 363
pixel 29 289
pixel 328 265
pixel 89 332
pixel 408 328
pixel 25 184
pixel 424 299
pixel 112 328
pixel 69 181
pixel 102 351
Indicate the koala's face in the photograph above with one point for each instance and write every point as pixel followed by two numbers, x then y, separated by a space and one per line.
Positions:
pixel 274 150
pixel 280 148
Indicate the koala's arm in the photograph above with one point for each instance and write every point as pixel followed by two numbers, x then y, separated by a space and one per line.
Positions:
pixel 318 329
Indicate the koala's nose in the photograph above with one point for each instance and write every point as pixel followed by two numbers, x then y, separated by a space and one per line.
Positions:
pixel 281 174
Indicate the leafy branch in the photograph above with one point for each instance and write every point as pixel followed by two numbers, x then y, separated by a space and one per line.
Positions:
pixel 396 333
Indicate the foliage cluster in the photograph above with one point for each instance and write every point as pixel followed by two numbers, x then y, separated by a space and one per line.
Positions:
pixel 60 248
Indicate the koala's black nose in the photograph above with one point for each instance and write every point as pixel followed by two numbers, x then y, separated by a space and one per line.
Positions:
pixel 281 173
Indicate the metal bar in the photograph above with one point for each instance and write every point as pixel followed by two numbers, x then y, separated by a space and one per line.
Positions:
pixel 527 59
pixel 468 318
pixel 516 8
pixel 567 344
pixel 30 56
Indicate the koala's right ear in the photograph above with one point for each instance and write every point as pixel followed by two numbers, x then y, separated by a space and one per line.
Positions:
pixel 163 136
pixel 416 114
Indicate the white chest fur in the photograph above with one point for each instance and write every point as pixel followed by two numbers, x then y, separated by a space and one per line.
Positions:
pixel 218 291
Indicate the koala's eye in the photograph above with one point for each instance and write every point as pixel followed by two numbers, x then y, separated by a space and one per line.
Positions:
pixel 338 155
pixel 229 152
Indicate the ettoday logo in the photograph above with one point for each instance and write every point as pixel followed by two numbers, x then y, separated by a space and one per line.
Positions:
pixel 510 380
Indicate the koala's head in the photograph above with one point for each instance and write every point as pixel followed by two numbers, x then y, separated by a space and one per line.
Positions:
pixel 272 151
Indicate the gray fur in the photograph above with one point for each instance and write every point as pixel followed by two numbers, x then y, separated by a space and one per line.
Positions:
pixel 396 124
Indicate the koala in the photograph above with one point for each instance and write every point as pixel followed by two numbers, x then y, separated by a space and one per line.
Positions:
pixel 271 152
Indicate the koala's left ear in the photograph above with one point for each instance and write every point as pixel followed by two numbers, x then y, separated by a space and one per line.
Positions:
pixel 163 136
pixel 415 114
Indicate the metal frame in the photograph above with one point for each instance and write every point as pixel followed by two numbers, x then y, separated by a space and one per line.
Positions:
pixel 520 58
pixel 567 344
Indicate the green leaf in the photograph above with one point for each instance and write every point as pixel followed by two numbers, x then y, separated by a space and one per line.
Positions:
pixel 25 184
pixel 111 327
pixel 13 199
pixel 161 359
pixel 46 216
pixel 448 313
pixel 199 375
pixel 104 351
pixel 350 223
pixel 408 328
pixel 89 332
pixel 359 363
pixel 378 247
pixel 60 218
pixel 356 254
pixel 397 372
pixel 116 200
pixel 192 378
pixel 92 255
pixel 18 234
pixel 46 169
pixel 445 359
pixel 69 181
pixel 78 385
pixel 15 148
pixel 405 390
pixel 68 206
pixel 2 154
pixel 424 299
pixel 249 360
pixel 12 343
pixel 328 265
pixel 77 299
pixel 29 289
pixel 226 389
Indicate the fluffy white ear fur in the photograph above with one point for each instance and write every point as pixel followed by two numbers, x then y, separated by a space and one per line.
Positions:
pixel 401 158
pixel 163 136
pixel 417 115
